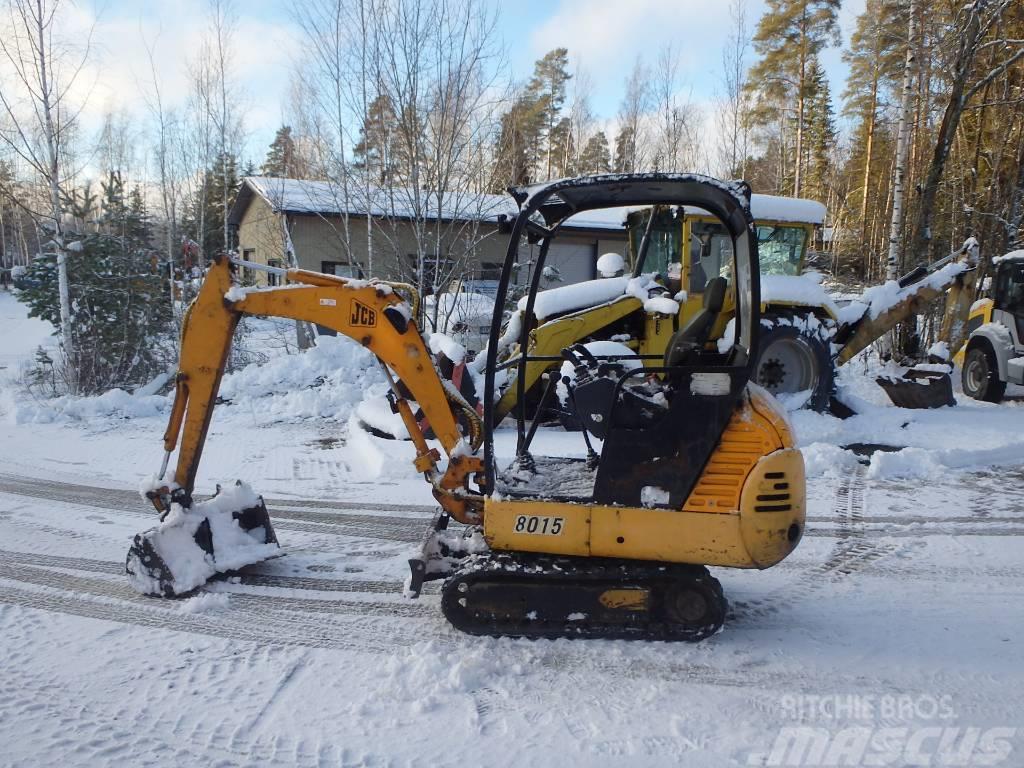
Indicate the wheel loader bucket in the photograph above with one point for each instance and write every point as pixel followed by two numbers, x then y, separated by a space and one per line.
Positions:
pixel 192 544
pixel 919 389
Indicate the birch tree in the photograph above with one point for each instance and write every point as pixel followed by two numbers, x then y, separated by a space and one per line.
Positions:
pixel 40 69
pixel 902 145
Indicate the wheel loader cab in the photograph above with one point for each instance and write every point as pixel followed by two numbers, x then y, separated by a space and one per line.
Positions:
pixel 691 248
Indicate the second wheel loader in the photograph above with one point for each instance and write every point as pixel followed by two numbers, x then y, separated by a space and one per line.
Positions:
pixel 688 464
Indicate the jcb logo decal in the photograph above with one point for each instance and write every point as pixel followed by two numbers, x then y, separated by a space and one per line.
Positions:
pixel 363 315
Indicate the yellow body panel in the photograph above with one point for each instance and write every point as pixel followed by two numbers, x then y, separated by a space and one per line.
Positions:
pixel 736 515
pixel 980 314
pixel 550 338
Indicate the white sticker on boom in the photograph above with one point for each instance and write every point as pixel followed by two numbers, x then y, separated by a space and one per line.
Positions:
pixel 710 384
pixel 539 524
pixel 328 302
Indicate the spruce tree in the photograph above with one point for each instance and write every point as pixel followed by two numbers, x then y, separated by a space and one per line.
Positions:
pixel 821 134
pixel 789 36
pixel 625 150
pixel 122 320
pixel 281 158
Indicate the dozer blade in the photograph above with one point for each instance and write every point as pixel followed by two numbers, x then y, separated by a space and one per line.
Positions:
pixel 194 543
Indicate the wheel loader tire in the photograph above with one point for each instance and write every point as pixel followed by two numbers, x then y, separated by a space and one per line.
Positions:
pixel 980 375
pixel 794 356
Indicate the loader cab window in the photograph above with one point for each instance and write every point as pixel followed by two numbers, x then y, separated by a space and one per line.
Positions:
pixel 665 246
pixel 780 249
pixel 1009 294
pixel 710 254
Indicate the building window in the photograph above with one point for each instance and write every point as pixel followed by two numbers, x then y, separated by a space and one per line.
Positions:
pixel 435 268
pixel 490 270
pixel 341 269
pixel 273 279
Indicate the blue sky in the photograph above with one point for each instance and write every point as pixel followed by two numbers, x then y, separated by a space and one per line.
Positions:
pixel 604 38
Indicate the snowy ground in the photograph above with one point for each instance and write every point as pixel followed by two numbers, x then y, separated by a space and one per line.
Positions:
pixel 892 636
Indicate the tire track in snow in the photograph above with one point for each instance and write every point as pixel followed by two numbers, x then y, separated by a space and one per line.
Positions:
pixel 406 530
pixel 851 553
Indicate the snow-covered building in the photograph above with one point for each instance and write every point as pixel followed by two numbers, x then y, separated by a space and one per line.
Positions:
pixel 376 232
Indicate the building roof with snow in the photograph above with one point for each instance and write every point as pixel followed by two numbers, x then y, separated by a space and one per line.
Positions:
pixel 325 198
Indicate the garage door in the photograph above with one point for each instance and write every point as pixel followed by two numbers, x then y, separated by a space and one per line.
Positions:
pixel 574 261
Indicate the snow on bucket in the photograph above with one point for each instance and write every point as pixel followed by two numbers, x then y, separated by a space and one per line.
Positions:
pixel 194 543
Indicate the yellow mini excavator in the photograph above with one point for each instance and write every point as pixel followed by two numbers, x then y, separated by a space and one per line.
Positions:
pixel 688 463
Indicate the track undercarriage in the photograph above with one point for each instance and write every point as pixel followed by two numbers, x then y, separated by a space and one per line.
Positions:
pixel 522 594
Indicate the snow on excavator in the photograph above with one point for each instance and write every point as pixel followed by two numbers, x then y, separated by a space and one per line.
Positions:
pixel 689 464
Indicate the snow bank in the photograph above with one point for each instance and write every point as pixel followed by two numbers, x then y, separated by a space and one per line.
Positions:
pixel 924 443
pixel 324 382
pixel 115 404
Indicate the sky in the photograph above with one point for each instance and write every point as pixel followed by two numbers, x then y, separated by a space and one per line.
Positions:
pixel 604 38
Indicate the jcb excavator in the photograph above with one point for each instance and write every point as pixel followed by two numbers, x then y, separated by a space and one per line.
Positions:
pixel 689 464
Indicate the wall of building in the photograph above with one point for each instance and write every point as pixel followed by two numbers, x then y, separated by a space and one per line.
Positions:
pixel 320 245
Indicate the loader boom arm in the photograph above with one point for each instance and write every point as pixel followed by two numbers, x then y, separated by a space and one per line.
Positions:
pixel 373 314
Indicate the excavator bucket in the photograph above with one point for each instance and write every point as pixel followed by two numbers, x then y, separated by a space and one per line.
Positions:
pixel 919 389
pixel 194 543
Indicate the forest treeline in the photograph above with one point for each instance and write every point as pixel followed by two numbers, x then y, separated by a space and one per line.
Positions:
pixel 922 147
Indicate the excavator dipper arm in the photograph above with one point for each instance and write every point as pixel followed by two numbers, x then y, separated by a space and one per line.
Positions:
pixel 194 541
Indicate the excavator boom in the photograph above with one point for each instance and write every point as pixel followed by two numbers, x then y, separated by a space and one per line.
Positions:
pixel 371 312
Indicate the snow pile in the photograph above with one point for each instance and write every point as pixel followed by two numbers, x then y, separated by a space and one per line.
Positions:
pixel 326 381
pixel 611 265
pixel 920 443
pixel 114 404
pixel 796 289
pixel 207 602
pixel 474 309
pixel 189 564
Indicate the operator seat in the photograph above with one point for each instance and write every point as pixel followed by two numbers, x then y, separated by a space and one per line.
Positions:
pixel 689 340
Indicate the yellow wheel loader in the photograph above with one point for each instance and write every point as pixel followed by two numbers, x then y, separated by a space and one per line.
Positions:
pixel 688 463
pixel 677 255
pixel 993 355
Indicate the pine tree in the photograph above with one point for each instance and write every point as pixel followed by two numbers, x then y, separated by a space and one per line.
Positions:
pixel 875 59
pixel 281 158
pixel 547 95
pixel 788 37
pixel 377 151
pixel 595 157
